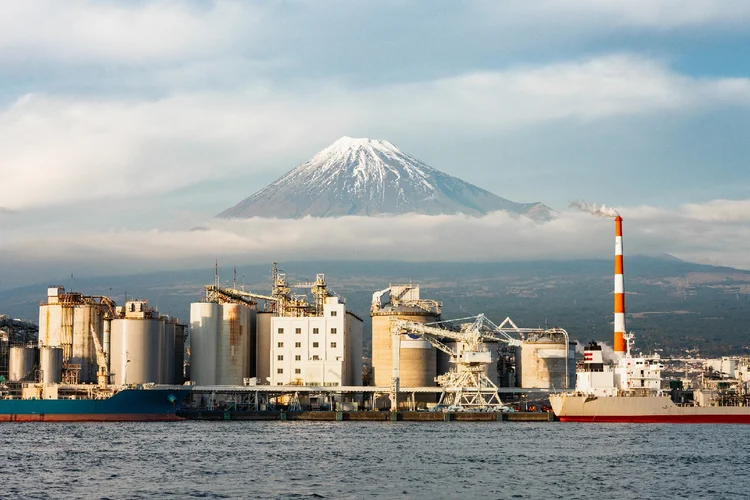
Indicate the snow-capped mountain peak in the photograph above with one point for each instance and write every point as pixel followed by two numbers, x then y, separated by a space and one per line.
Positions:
pixel 360 176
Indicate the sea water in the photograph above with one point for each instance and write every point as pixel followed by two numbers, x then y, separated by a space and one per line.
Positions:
pixel 422 460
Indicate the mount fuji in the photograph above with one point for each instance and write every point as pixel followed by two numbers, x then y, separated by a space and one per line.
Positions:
pixel 372 177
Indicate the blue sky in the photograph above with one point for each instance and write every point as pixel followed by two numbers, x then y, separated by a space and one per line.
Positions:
pixel 141 120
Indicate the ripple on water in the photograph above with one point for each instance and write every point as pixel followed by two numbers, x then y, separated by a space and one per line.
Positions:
pixel 383 459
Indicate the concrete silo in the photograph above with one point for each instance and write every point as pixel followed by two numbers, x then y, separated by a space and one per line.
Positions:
pixel 546 361
pixel 137 345
pixel 418 358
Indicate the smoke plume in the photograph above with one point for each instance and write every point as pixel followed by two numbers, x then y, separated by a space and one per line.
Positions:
pixel 594 209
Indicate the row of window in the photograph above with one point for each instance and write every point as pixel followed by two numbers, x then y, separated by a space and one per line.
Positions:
pixel 315 331
pixel 298 345
pixel 297 357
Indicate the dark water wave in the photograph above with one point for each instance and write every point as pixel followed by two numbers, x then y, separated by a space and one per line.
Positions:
pixel 299 460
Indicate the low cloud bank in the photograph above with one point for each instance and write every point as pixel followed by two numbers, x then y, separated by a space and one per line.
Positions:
pixel 717 232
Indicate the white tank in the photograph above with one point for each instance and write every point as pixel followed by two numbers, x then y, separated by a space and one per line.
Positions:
pixel 205 319
pixel 21 364
pixel 87 321
pixel 68 324
pixel 233 345
pixel 418 359
pixel 543 364
pixel 50 364
pixel 263 346
pixel 136 350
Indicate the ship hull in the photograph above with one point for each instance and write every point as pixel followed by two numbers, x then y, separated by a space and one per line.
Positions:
pixel 653 410
pixel 129 405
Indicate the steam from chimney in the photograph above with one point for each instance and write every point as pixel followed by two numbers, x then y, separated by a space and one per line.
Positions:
pixel 594 209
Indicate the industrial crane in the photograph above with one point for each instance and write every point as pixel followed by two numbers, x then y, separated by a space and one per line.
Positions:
pixel 466 386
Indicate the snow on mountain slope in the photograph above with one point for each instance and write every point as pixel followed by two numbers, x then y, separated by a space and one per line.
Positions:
pixel 371 177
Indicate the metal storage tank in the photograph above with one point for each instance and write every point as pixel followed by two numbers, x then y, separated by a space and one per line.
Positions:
pixel 544 363
pixel 136 344
pixel 205 319
pixel 50 364
pixel 21 363
pixel 233 345
pixel 87 321
pixel 179 353
pixel 418 359
pixel 168 351
pixel 263 346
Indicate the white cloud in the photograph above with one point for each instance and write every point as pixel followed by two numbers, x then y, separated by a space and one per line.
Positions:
pixel 717 233
pixel 596 16
pixel 64 150
pixel 137 33
pixel 156 32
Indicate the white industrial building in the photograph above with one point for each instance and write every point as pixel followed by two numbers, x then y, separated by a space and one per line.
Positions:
pixel 324 350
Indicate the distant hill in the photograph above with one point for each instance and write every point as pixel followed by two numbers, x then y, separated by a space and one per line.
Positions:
pixel 371 177
pixel 671 304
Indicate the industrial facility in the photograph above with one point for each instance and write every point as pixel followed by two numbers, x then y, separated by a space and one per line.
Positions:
pixel 87 339
pixel 293 340
pixel 297 346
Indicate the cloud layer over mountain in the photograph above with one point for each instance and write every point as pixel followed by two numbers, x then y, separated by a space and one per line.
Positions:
pixel 713 233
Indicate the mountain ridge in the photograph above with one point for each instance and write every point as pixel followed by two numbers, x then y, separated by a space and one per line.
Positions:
pixel 360 176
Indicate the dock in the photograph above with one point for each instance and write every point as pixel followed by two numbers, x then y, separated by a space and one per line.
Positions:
pixel 368 416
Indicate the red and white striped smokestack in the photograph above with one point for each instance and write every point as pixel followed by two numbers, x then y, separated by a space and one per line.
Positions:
pixel 620 346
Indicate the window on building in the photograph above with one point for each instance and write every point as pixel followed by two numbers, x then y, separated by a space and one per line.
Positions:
pixel 316 358
pixel 315 330
pixel 297 370
pixel 279 370
pixel 280 357
pixel 333 344
pixel 333 331
pixel 315 344
pixel 279 383
pixel 281 330
pixel 297 358
pixel 280 344
pixel 333 313
pixel 298 330
pixel 298 344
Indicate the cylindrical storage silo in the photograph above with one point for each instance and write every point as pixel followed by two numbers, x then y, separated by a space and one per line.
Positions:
pixel 233 345
pixel 50 364
pixel 168 352
pixel 418 359
pixel 205 319
pixel 135 350
pixel 543 363
pixel 87 321
pixel 263 346
pixel 21 363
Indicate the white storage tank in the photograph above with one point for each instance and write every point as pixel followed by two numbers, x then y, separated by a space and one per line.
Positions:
pixel 233 345
pixel 50 364
pixel 137 345
pixel 205 319
pixel 543 362
pixel 21 363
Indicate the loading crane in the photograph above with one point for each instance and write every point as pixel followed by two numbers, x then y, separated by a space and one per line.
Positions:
pixel 466 386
